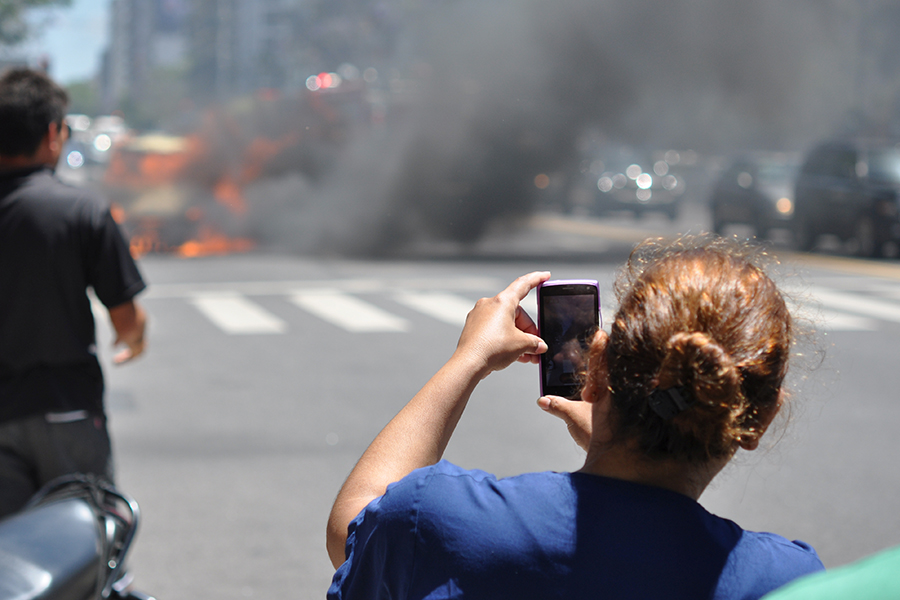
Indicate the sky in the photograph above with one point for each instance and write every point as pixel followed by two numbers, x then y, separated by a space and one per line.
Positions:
pixel 74 38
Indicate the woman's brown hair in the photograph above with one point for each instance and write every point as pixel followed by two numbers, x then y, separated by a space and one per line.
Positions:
pixel 700 316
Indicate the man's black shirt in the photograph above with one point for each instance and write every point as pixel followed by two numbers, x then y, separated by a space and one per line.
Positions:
pixel 56 241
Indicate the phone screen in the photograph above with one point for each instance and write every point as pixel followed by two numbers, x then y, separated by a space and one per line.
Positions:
pixel 568 317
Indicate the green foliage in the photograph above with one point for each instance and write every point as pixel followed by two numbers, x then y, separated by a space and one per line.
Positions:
pixel 14 27
pixel 162 101
pixel 84 98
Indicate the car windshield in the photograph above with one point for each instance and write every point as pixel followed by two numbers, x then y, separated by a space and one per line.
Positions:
pixel 773 173
pixel 884 165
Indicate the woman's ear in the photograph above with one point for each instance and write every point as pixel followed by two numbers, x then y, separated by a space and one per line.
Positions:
pixel 764 418
pixel 596 382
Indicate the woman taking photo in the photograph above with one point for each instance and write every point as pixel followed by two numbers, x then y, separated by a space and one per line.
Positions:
pixel 691 371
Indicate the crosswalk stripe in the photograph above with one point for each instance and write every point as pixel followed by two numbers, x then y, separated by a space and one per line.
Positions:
pixel 232 311
pixel 347 311
pixel 445 307
pixel 350 285
pixel 840 321
pixel 235 314
pixel 857 304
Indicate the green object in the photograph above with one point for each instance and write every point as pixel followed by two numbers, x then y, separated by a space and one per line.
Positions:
pixel 874 578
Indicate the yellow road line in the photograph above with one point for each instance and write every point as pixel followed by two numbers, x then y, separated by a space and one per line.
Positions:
pixel 594 229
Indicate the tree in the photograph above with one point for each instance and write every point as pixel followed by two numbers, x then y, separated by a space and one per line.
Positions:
pixel 83 98
pixel 14 27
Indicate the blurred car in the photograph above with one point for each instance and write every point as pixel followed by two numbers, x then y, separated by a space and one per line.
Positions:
pixel 623 180
pixel 757 191
pixel 850 189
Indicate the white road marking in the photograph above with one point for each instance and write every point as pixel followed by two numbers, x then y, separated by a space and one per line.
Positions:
pixel 857 304
pixel 826 307
pixel 831 320
pixel 235 314
pixel 443 306
pixel 347 311
pixel 480 285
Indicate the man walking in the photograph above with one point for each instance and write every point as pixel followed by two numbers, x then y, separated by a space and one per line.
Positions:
pixel 56 241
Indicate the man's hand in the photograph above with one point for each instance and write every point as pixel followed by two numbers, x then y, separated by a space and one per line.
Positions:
pixel 129 321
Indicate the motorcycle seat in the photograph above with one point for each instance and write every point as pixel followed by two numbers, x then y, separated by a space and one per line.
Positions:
pixel 50 552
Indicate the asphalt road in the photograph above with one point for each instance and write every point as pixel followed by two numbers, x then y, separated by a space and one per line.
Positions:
pixel 237 428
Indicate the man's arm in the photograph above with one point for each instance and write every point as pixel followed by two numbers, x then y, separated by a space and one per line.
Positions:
pixel 129 321
pixel 496 334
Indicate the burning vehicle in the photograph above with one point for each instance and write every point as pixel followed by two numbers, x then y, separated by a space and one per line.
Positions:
pixel 186 194
pixel 337 170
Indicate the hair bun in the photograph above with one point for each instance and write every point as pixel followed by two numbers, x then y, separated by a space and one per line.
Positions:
pixel 698 363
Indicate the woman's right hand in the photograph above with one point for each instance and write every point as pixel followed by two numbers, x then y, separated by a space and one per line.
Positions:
pixel 499 332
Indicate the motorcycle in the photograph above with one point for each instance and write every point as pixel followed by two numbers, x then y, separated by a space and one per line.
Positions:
pixel 70 543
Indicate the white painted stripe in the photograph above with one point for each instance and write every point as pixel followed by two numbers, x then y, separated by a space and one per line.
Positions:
pixel 445 307
pixel 480 285
pixel 892 292
pixel 347 311
pixel 831 320
pixel 857 304
pixel 235 314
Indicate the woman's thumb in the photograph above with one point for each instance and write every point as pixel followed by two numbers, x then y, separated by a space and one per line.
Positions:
pixel 539 346
pixel 576 414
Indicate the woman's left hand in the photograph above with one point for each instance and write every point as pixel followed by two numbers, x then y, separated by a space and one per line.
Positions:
pixel 577 414
pixel 499 332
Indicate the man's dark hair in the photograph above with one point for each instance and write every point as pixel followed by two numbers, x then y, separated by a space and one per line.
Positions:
pixel 29 102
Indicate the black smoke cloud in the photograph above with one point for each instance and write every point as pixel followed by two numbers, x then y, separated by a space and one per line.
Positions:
pixel 504 89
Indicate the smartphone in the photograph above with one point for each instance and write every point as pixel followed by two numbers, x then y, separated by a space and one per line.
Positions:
pixel 568 318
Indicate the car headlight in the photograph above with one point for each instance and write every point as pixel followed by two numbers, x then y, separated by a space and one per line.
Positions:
pixel 670 182
pixel 784 206
pixel 75 159
pixel 644 181
pixel 102 142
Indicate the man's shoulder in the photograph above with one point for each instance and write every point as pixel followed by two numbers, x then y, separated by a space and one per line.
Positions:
pixel 41 190
pixel 49 182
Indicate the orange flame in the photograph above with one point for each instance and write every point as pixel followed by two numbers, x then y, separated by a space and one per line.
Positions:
pixel 210 242
pixel 145 242
pixel 230 194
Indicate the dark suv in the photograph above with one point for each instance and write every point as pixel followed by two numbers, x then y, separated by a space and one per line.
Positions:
pixel 849 189
pixel 756 190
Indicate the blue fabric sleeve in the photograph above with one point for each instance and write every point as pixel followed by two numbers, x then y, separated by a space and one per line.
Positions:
pixel 381 543
pixel 762 562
